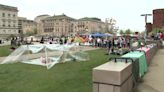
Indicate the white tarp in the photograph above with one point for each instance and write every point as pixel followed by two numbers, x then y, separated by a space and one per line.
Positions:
pixel 45 54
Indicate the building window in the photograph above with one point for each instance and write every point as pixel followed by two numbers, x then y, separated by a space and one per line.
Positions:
pixel 4 31
pixel 8 15
pixel 13 15
pixel 3 14
pixel 14 21
pixel 13 25
pixel 9 25
pixel 3 25
pixel 4 21
pixel 9 21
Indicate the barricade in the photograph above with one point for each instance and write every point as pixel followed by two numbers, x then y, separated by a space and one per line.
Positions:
pixel 121 74
pixel 153 49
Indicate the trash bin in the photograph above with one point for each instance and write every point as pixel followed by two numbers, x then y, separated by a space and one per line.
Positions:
pixel 142 61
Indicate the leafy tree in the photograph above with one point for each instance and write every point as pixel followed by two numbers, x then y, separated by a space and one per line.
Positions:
pixel 111 32
pixel 30 33
pixel 35 31
pixel 11 36
pixel 128 31
pixel 122 32
pixel 155 30
pixel 142 33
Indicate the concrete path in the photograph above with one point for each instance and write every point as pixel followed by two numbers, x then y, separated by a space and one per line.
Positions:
pixel 153 81
pixel 5 43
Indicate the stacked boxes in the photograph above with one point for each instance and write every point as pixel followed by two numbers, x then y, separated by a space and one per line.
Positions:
pixel 113 77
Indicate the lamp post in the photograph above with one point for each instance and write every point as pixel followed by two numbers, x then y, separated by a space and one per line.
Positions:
pixel 146 15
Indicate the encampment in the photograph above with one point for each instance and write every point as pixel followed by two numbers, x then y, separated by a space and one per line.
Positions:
pixel 46 54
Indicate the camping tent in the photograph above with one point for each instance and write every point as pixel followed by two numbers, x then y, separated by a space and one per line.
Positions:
pixel 46 54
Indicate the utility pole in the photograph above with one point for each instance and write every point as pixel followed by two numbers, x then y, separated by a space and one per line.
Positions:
pixel 146 15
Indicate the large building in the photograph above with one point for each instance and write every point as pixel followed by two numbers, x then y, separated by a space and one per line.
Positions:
pixel 39 22
pixel 90 25
pixel 58 25
pixel 27 27
pixel 8 20
pixel 158 18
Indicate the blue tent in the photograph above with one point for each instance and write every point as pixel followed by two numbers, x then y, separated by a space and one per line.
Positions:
pixel 100 35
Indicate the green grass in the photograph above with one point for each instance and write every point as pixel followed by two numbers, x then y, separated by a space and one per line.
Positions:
pixel 5 50
pixel 67 77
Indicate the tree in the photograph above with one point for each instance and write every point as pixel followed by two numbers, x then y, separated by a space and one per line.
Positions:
pixel 155 30
pixel 128 31
pixel 31 33
pixel 122 32
pixel 11 36
pixel 111 32
pixel 35 31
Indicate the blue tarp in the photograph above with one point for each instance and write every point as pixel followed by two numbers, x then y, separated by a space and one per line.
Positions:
pixel 100 35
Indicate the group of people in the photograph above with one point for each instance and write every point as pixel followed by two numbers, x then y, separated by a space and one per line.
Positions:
pixel 158 36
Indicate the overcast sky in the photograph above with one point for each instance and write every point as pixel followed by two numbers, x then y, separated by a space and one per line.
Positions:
pixel 126 12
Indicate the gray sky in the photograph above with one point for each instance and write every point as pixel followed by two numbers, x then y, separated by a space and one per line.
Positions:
pixel 126 12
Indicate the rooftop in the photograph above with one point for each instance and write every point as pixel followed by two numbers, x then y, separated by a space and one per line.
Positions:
pixel 43 15
pixel 63 16
pixel 90 19
pixel 9 8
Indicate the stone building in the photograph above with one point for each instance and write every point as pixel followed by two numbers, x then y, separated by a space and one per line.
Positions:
pixel 158 18
pixel 27 27
pixel 59 25
pixel 8 20
pixel 63 25
pixel 90 25
pixel 38 20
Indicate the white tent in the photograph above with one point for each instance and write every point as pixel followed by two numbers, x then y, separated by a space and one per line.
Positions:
pixel 46 54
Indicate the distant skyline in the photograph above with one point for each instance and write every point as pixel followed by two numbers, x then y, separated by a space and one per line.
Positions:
pixel 126 12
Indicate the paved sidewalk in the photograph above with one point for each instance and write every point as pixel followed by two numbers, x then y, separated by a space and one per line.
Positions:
pixel 6 43
pixel 153 81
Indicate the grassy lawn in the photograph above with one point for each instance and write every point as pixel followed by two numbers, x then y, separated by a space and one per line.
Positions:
pixel 5 50
pixel 67 77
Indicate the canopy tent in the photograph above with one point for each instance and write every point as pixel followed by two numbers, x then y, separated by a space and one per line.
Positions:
pixel 46 54
pixel 107 34
pixel 101 35
pixel 79 39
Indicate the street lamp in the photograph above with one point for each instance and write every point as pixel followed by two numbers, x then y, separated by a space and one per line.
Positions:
pixel 146 15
